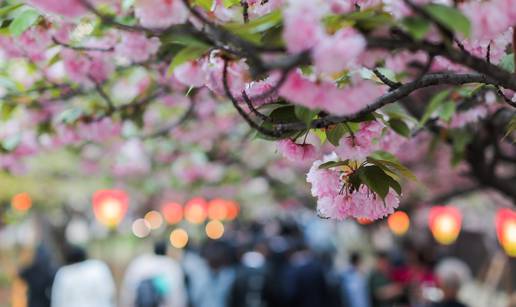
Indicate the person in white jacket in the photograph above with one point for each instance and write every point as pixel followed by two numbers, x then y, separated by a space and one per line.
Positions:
pixel 155 266
pixel 83 283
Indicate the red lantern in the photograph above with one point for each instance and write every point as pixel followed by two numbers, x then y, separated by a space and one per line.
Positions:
pixel 506 230
pixel 232 209
pixel 364 221
pixel 399 223
pixel 445 224
pixel 172 212
pixel 21 202
pixel 110 206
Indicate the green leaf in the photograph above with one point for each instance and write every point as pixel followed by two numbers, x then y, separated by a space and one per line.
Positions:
pixel 230 3
pixel 253 29
pixel 23 21
pixel 187 54
pixel 449 17
pixel 332 164
pixel 205 4
pixel 447 110
pixel 434 104
pixel 417 27
pixel 394 167
pixel 305 115
pixel 335 133
pixel 400 127
pixel 321 134
pixel 460 138
pixel 376 179
pixel 511 127
pixel 9 8
pixel 507 62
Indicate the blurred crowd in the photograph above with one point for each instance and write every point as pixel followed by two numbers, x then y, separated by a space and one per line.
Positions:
pixel 253 265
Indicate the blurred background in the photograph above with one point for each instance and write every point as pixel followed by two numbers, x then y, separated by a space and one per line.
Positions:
pixel 246 241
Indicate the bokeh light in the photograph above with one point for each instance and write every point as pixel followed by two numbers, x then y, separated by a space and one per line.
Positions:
pixel 399 223
pixel 154 219
pixel 506 230
pixel 21 202
pixel 364 221
pixel 110 206
pixel 233 209
pixel 217 209
pixel 172 212
pixel 195 210
pixel 141 228
pixel 179 238
pixel 445 224
pixel 214 229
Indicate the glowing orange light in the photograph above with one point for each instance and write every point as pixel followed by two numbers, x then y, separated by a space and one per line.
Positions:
pixel 110 206
pixel 179 238
pixel 506 230
pixel 21 202
pixel 173 212
pixel 364 221
pixel 195 210
pixel 214 229
pixel 399 223
pixel 154 219
pixel 232 209
pixel 445 224
pixel 217 209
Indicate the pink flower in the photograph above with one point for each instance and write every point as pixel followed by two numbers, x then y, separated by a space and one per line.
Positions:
pixel 362 143
pixel 334 53
pixel 190 74
pixel 84 69
pixel 302 22
pixel 67 8
pixel 160 13
pixel 335 202
pixel 296 152
pixel 137 47
pixel 488 18
pixel 327 96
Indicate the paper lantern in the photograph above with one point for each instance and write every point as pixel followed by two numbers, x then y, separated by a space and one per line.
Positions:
pixel 218 209
pixel 364 221
pixel 399 223
pixel 196 210
pixel 445 224
pixel 154 219
pixel 233 210
pixel 506 230
pixel 179 238
pixel 21 202
pixel 110 206
pixel 172 212
pixel 214 230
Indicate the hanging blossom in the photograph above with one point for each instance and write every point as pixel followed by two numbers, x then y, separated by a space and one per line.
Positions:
pixel 336 200
pixel 325 95
pixel 297 152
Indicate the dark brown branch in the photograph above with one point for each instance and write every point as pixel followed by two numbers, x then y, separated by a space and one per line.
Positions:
pixel 391 97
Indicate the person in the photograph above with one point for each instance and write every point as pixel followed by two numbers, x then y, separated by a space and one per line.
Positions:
pixel 83 282
pixel 382 290
pixel 451 275
pixel 154 280
pixel 354 283
pixel 39 277
pixel 217 282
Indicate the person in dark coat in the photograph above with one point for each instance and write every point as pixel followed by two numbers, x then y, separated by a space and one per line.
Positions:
pixel 39 277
